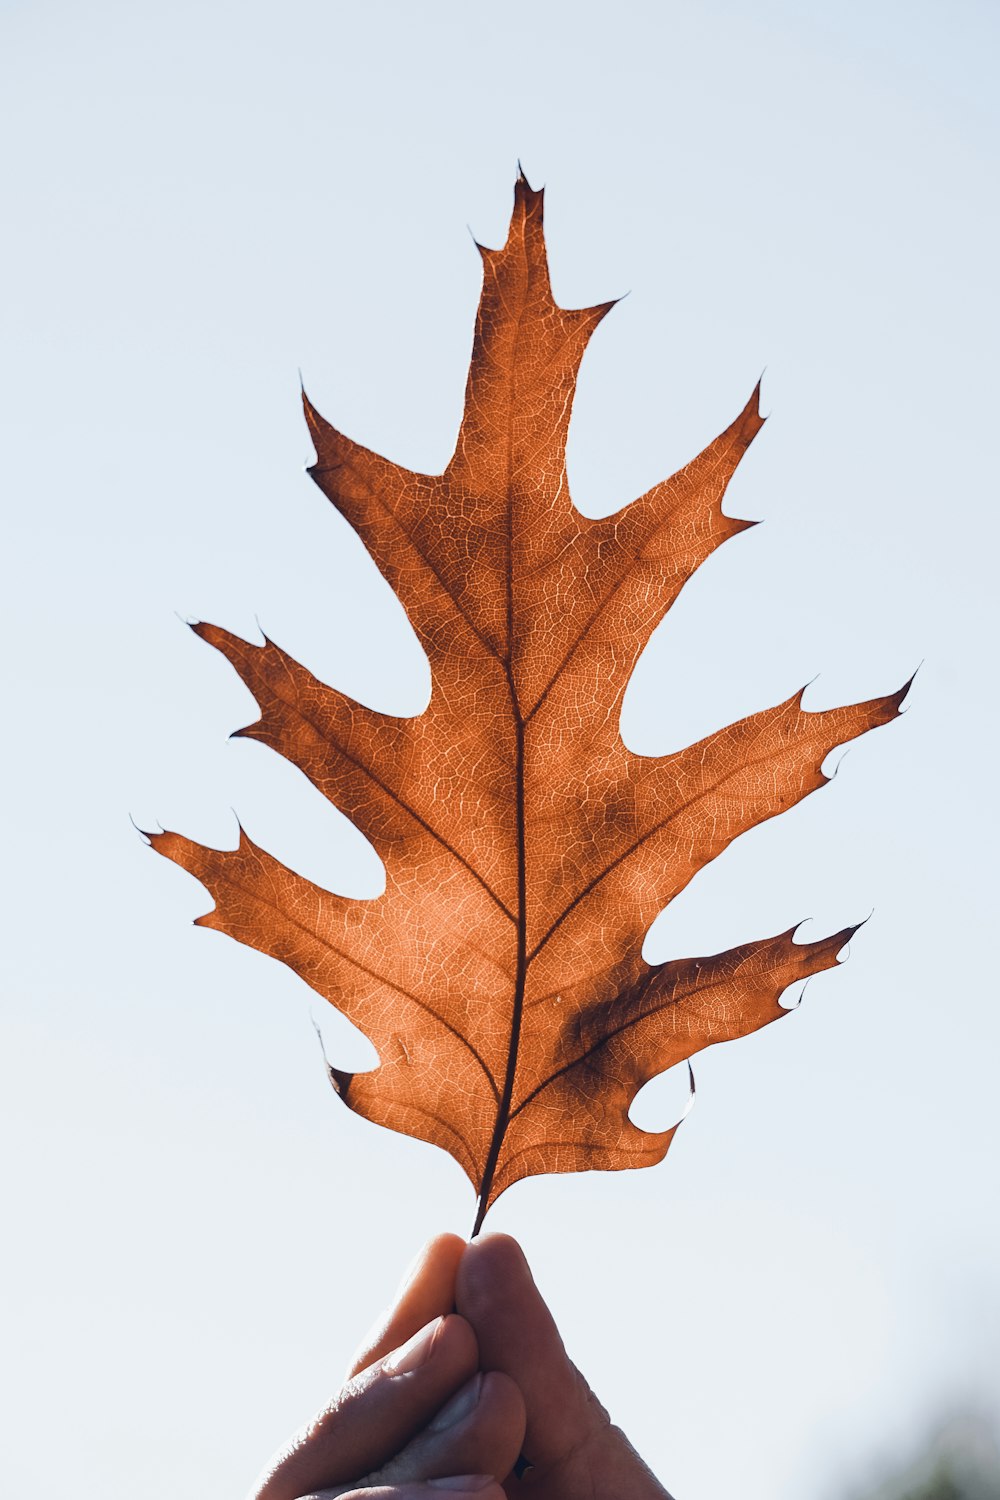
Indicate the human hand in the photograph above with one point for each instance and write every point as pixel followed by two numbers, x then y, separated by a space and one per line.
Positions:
pixel 417 1419
pixel 377 1440
pixel 574 1451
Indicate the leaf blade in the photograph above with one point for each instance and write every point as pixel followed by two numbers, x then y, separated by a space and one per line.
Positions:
pixel 499 975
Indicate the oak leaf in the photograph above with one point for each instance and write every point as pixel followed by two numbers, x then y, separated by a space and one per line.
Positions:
pixel 526 849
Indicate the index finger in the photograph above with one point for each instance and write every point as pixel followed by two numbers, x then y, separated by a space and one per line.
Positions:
pixel 427 1291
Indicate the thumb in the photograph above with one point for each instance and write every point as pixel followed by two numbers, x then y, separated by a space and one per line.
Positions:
pixel 516 1333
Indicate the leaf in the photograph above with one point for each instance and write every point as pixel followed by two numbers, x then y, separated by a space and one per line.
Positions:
pixel 526 849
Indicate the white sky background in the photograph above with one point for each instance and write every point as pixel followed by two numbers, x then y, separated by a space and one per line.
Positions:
pixel 203 198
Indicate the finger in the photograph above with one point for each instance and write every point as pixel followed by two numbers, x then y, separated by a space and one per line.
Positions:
pixel 479 1431
pixel 516 1334
pixel 426 1291
pixel 454 1487
pixel 377 1413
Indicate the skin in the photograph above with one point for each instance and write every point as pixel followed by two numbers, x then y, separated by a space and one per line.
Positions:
pixel 468 1339
pixel 575 1451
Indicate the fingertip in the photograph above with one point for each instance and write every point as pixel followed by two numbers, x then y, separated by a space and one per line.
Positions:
pixel 438 1258
pixel 456 1341
pixel 450 1338
pixel 499 1250
pixel 504 1395
pixel 444 1248
pixel 493 1265
pixel 497 1243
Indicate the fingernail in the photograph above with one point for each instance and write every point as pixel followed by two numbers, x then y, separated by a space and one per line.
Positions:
pixel 459 1406
pixel 411 1355
pixel 463 1482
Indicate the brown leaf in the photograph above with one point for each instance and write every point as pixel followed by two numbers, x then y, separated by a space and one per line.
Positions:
pixel 500 974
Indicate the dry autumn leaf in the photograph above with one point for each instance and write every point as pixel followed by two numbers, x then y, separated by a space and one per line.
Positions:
pixel 526 849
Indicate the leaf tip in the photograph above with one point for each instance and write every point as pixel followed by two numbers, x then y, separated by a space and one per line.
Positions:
pixel 530 200
pixel 144 833
pixel 316 423
pixel 901 696
pixel 831 946
pixel 755 398
pixel 799 702
pixel 340 1081
pixel 307 406
pixel 841 941
pixel 846 933
pixel 751 419
pixel 156 839
pixel 484 250
pixel 201 629
pixel 600 310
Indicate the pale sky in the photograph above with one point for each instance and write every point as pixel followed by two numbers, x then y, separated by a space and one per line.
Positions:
pixel 203 199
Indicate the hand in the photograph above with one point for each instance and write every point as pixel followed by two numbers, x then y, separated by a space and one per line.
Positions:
pixel 574 1451
pixel 416 1419
pixel 379 1440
